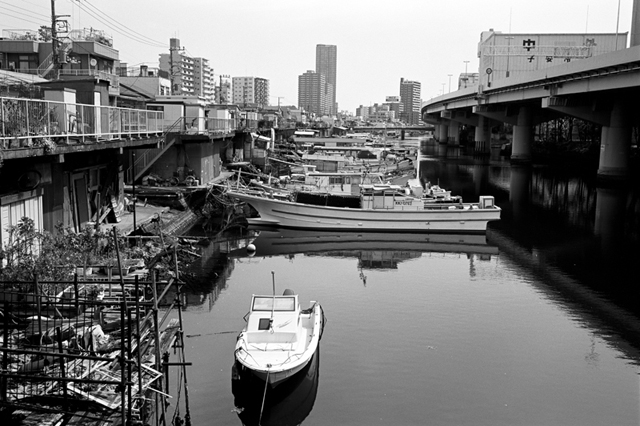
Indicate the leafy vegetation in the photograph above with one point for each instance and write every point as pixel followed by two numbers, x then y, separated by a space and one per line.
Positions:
pixel 55 256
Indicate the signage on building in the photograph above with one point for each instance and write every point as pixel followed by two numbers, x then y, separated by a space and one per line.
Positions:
pixel 393 99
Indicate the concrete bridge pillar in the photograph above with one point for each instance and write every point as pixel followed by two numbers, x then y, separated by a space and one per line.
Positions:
pixel 454 133
pixel 522 137
pixel 443 133
pixel 483 136
pixel 615 144
pixel 635 24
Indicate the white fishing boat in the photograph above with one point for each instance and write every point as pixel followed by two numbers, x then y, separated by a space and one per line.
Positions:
pixel 378 208
pixel 279 339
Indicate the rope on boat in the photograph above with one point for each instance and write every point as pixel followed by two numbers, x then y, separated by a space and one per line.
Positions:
pixel 264 397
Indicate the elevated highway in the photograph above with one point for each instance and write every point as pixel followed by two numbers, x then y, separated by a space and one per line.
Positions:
pixel 603 89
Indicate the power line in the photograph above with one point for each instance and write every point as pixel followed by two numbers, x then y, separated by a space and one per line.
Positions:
pixel 124 26
pixel 19 17
pixel 26 10
pixel 129 35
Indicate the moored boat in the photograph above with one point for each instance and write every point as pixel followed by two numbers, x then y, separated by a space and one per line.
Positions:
pixel 382 208
pixel 279 339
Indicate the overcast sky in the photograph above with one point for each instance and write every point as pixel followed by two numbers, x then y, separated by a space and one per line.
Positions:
pixel 378 41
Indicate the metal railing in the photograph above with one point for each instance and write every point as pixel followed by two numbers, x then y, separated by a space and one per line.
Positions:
pixel 113 79
pixel 186 126
pixel 29 123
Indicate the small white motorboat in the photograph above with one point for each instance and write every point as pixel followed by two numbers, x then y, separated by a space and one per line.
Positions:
pixel 279 339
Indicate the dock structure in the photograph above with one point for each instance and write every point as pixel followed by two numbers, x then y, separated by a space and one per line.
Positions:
pixel 89 352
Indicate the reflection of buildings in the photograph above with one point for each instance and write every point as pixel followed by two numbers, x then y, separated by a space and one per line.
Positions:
pixel 373 250
pixel 206 277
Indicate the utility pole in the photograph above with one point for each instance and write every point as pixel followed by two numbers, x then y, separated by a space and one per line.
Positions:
pixel 54 37
pixel 55 41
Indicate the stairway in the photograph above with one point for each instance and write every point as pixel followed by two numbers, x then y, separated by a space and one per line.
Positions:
pixel 45 68
pixel 146 159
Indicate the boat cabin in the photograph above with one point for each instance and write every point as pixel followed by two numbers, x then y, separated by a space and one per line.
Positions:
pixel 388 197
pixel 273 319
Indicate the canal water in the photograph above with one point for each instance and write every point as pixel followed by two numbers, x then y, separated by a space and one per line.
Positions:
pixel 535 324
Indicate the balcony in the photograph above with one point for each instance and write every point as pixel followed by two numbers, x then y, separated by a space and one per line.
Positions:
pixel 114 80
pixel 27 124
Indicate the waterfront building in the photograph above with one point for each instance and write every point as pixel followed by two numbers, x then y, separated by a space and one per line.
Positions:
pixel 410 100
pixel 326 64
pixel 181 69
pixel 312 93
pixel 503 55
pixel 139 85
pixel 250 91
pixel 85 55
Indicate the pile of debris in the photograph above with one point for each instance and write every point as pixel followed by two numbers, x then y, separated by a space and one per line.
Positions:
pixel 81 353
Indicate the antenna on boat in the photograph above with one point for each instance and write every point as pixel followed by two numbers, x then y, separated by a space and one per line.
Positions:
pixel 273 304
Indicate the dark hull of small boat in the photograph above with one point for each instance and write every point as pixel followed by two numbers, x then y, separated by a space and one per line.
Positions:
pixel 287 404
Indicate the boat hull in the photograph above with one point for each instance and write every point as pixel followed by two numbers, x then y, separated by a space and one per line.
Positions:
pixel 282 365
pixel 304 216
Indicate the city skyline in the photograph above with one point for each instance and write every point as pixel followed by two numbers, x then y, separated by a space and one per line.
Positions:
pixel 433 44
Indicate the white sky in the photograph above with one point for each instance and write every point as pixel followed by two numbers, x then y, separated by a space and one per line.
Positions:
pixel 378 41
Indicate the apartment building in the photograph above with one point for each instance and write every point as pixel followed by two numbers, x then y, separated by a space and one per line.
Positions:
pixel 410 100
pixel 250 91
pixel 181 69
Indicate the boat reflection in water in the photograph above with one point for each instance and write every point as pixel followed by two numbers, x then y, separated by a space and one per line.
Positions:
pixel 372 246
pixel 287 404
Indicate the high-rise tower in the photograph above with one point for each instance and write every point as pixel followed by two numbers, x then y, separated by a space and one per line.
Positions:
pixel 410 101
pixel 326 64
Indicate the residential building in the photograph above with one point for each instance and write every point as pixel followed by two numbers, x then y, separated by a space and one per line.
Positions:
pixel 504 55
pixel 139 85
pixel 223 91
pixel 312 93
pixel 181 69
pixel 203 82
pixel 410 100
pixel 86 55
pixel 250 91
pixel 326 64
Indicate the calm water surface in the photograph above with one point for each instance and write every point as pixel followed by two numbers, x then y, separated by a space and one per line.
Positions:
pixel 432 330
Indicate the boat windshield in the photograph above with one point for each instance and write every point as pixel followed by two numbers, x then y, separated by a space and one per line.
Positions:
pixel 282 303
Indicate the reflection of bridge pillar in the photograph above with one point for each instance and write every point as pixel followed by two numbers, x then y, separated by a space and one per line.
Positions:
pixel 615 141
pixel 443 132
pixel 522 137
pixel 483 136
pixel 609 223
pixel 454 133
pixel 519 190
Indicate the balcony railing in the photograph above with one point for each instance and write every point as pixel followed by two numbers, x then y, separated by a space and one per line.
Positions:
pixel 27 122
pixel 113 79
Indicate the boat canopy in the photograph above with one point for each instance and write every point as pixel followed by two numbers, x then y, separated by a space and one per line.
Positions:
pixel 266 303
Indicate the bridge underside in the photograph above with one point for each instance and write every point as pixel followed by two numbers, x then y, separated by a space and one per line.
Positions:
pixel 607 94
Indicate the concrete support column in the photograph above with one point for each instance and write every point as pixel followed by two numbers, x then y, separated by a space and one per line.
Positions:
pixel 483 136
pixel 454 133
pixel 522 137
pixel 615 144
pixel 634 39
pixel 443 133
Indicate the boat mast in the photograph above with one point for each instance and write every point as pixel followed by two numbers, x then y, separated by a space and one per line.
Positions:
pixel 273 304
